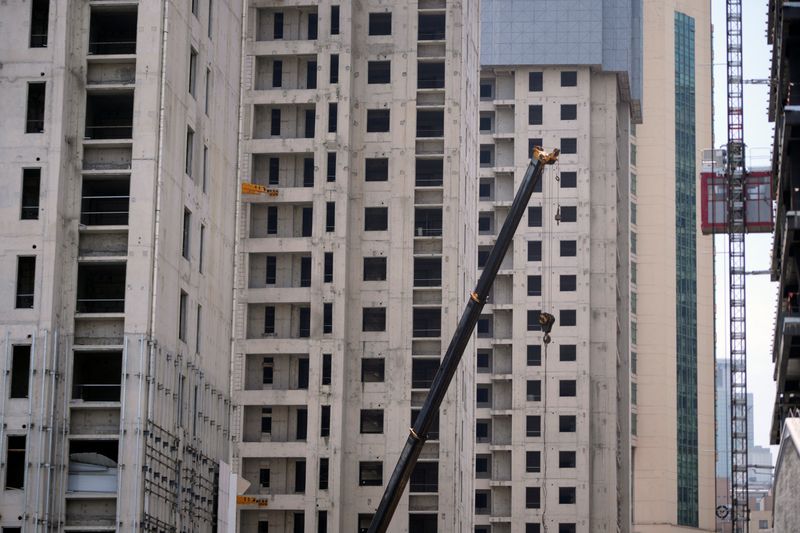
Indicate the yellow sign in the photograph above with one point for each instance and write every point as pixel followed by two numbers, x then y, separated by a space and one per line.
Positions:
pixel 252 188
pixel 251 500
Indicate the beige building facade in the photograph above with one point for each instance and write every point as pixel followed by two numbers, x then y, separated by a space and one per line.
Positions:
pixel 359 119
pixel 116 243
pixel 673 453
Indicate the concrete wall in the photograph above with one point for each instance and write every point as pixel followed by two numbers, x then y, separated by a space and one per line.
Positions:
pixel 786 508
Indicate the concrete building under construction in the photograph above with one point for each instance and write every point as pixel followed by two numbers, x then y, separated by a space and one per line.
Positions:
pixel 116 240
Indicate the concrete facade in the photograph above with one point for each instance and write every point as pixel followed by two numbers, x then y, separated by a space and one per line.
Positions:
pixel 553 426
pixel 786 507
pixel 663 283
pixel 354 265
pixel 115 389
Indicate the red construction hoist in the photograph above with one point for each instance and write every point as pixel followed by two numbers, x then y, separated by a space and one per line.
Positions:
pixel 736 177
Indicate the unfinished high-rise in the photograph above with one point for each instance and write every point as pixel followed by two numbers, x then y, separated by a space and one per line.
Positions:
pixel 553 428
pixel 116 154
pixel 355 255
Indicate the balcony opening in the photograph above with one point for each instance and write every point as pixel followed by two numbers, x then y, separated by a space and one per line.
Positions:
pixel 427 272
pixel 433 431
pixel 20 371
pixel 16 465
pixel 432 27
pixel 376 169
pixel 429 172
pixel 31 185
pixel 113 31
pixel 374 269
pixel 430 123
pixel 422 372
pixel 425 478
pixel 93 466
pixel 101 288
pixel 109 116
pixel 104 201
pixel 97 376
pixel 374 319
pixel 372 370
pixel 371 421
pixel 370 473
pixel 26 282
pixel 428 222
pixel 40 19
pixel 34 118
pixel 427 322
pixel 430 75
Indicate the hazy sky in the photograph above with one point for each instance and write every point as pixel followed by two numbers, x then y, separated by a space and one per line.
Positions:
pixel 761 292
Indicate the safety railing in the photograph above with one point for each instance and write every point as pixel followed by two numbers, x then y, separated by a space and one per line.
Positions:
pixel 124 131
pixel 96 392
pixel 101 305
pixel 112 47
pixel 105 210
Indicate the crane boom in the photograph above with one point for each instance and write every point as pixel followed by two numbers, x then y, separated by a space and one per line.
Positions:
pixel 736 175
pixel 418 434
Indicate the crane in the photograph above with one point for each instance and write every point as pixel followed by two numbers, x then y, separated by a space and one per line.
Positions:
pixel 736 211
pixel 418 433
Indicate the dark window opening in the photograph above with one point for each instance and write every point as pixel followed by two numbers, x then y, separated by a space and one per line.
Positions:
pixel 533 143
pixel 272 220
pixel 567 388
pixel 425 478
pixel 534 285
pixel 310 123
pixel 31 185
pixel 568 248
pixel 308 172
pixel 535 217
pixel 374 269
pixel 422 372
pixel 533 426
pixel 299 522
pixel 113 31
pixel 567 528
pixel 370 473
pixel 26 282
pixel 277 26
pixel 427 272
pixel 325 421
pixel 533 320
pixel 533 390
pixel 567 423
pixel 485 123
pixel 534 355
pixel 569 145
pixel 427 322
pixel 433 431
pixel 377 120
pixel 96 376
pixel 533 462
pixel 569 213
pixel 376 169
pixel 275 122
pixel 429 172
pixel 569 180
pixel 186 237
pixel 373 319
pixel 334 74
pixel 483 502
pixel 40 21
pixel 380 23
pixel 267 371
pixel 483 431
pixel 326 369
pixel 299 477
pixel 182 320
pixel 422 523
pixel 313 26
pixel 566 459
pixel 274 171
pixel 430 75
pixel 371 421
pixel 566 495
pixel 428 222
pixel 533 497
pixel 327 317
pixel 534 115
pixel 568 283
pixel 277 73
pixel 379 72
pixel 305 271
pixel 327 276
pixel 431 27
pixel 569 78
pixel 535 81
pixel 334 20
pixel 567 352
pixel 534 250
pixel 301 425
pixel 271 269
pixel 269 320
pixel 266 420
pixel 376 218
pixel 109 116
pixel 430 123
pixel 307 221
pixel 486 90
pixel 20 371
pixel 567 317
pixel 34 118
pixel 333 113
pixel 569 112
pixel 330 216
pixel 311 75
pixel 372 370
pixel 302 373
pixel 483 396
pixel 15 462
pixel 264 477
pixel 484 326
pixel 331 173
pixel 323 473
